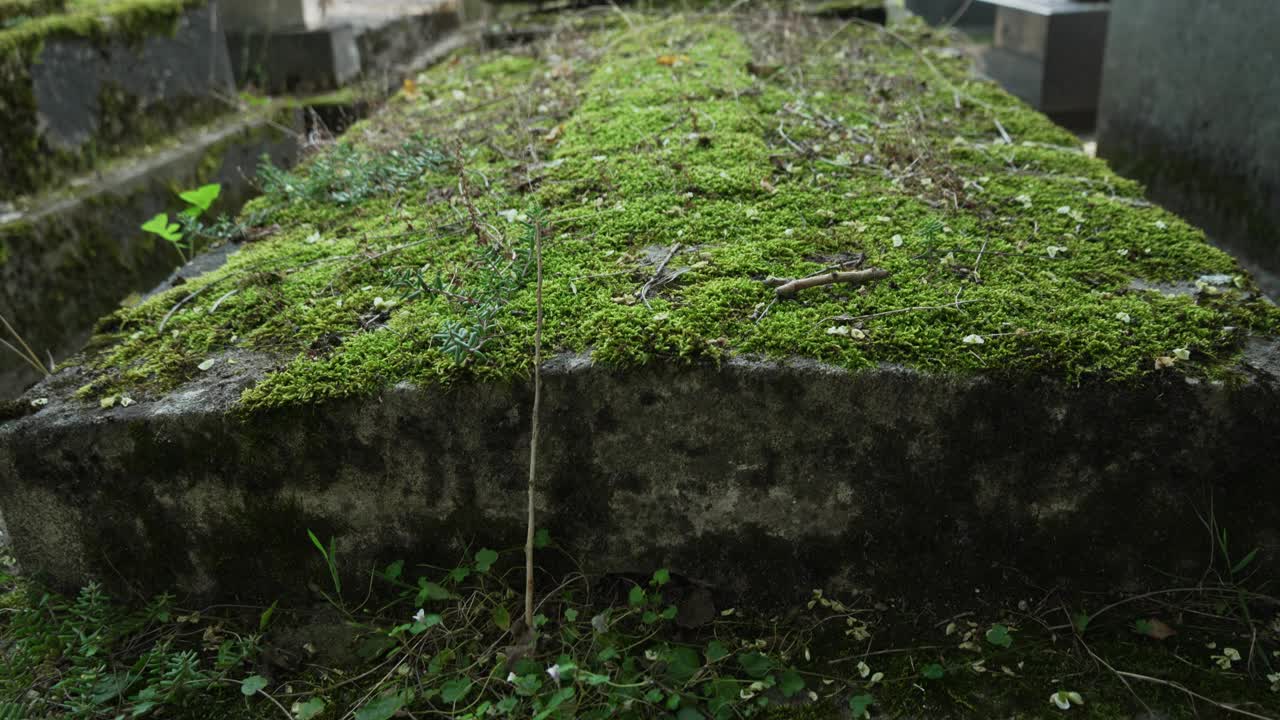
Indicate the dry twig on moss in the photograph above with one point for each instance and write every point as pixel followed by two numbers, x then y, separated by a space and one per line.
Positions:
pixel 787 287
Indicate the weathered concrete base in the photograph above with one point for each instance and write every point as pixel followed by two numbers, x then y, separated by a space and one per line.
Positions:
pixel 72 257
pixel 977 15
pixel 83 100
pixel 373 43
pixel 1191 108
pixel 764 479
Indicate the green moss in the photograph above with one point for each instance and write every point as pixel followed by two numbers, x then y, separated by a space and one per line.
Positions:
pixel 751 157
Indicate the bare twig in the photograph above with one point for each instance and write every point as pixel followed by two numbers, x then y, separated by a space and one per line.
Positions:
pixel 1184 689
pixel 533 433
pixel 29 355
pixel 787 287
pixel 1003 134
pixel 657 274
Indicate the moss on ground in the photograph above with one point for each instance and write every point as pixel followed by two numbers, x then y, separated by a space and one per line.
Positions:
pixel 706 152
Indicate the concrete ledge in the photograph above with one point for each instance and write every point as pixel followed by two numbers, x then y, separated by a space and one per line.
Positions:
pixel 75 255
pixel 72 101
pixel 765 479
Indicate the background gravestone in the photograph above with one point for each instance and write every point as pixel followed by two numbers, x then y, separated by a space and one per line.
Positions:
pixel 1191 106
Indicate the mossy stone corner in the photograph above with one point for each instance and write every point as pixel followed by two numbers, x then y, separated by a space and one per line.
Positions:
pixel 98 78
pixel 673 164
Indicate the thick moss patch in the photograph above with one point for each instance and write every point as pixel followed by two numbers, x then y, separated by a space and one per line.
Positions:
pixel 672 164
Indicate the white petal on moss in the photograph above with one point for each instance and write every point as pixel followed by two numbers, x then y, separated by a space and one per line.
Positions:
pixel 838 330
pixel 1124 317
pixel 207 364
pixel 897 241
pixel 1183 354
pixel 973 340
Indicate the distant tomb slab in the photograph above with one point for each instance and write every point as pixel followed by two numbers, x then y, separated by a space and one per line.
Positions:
pixel 1049 53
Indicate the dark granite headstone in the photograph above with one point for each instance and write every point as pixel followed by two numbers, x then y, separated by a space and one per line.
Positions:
pixel 1049 53
pixel 1191 106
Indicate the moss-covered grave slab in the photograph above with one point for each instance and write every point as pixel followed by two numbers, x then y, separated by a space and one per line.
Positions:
pixel 1042 374
pixel 87 80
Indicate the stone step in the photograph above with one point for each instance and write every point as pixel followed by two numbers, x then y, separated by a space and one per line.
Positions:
pixel 1032 370
pixel 98 79
pixel 73 255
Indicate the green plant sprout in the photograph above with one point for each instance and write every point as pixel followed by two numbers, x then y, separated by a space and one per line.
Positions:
pixel 183 233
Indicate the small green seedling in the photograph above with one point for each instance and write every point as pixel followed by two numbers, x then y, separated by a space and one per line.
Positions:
pixel 181 234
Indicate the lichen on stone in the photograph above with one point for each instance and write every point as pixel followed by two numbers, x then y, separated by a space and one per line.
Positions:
pixel 676 162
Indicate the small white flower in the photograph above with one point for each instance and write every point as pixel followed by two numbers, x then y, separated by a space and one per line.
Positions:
pixel 1274 679
pixel 897 240
pixel 1063 699
pixel 973 340
pixel 313 238
pixel 554 672
pixel 381 304
pixel 420 616
pixel 1161 225
pixel 511 677
pixel 863 669
pixel 1064 210
pixel 876 678
pixel 1124 317
pixel 1185 354
pixel 509 215
pixel 1053 250
pixel 838 330
pixel 1124 252
pixel 207 364
pixel 1231 654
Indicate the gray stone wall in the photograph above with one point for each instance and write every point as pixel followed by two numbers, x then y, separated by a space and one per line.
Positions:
pixel 1191 106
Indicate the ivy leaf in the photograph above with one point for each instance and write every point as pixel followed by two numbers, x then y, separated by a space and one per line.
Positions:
pixel 790 683
pixel 556 701
pixel 716 651
pixel 203 196
pixel 1081 621
pixel 932 671
pixel 755 664
pixel 455 690
pixel 502 617
pixel 394 570
pixel 252 684
pixel 542 538
pixel 430 591
pixel 661 577
pixel 999 635
pixel 682 664
pixel 382 708
pixel 636 596
pixel 309 709
pixel 858 705
pixel 485 559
